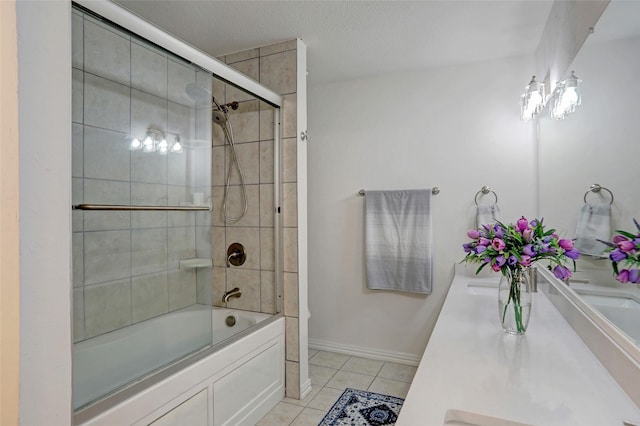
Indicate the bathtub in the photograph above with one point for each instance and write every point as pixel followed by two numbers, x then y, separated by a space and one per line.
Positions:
pixel 106 363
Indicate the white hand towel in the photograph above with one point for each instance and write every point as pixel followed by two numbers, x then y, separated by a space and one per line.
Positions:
pixel 398 240
pixel 594 223
pixel 487 214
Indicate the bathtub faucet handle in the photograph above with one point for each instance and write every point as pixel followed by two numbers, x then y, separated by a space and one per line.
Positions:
pixel 235 292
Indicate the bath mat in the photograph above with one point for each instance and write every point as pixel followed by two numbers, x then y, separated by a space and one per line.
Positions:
pixel 361 408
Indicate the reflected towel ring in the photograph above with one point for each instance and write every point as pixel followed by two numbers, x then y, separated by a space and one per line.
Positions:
pixel 596 188
pixel 485 190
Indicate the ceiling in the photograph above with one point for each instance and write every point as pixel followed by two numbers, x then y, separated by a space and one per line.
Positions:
pixel 355 39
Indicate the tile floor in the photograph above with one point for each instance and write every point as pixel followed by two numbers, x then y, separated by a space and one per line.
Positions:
pixel 331 373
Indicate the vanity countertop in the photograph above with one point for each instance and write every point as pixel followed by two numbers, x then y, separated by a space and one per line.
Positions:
pixel 546 377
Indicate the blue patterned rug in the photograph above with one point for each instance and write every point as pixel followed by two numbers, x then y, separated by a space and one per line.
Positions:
pixel 362 408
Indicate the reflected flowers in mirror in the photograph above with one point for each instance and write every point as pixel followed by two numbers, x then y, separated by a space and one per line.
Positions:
pixel 624 253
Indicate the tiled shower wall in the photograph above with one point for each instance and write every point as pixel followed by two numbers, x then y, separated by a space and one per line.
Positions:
pixel 275 66
pixel 125 264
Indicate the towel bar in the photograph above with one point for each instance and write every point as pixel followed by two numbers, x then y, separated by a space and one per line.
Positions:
pixel 596 188
pixel 485 190
pixel 435 191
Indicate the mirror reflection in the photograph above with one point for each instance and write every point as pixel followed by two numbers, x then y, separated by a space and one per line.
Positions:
pixel 599 144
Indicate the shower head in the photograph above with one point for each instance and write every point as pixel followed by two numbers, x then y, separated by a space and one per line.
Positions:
pixel 218 117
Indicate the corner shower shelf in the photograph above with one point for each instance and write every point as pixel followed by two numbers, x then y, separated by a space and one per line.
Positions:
pixel 196 262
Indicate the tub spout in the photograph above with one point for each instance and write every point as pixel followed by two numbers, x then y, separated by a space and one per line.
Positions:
pixel 236 292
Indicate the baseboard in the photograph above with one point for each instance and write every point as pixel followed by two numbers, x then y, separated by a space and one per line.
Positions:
pixel 397 357
pixel 305 388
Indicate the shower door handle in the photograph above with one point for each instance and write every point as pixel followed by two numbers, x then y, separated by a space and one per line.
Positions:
pixel 115 207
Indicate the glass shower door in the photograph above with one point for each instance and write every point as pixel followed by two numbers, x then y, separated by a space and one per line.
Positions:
pixel 141 219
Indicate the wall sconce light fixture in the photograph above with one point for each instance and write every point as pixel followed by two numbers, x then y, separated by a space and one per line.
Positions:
pixel 156 141
pixel 532 100
pixel 566 97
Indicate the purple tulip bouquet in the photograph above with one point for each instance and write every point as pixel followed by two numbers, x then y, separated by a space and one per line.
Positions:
pixel 510 249
pixel 507 248
pixel 624 250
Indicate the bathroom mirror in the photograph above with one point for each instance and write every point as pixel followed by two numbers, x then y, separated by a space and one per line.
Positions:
pixel 599 144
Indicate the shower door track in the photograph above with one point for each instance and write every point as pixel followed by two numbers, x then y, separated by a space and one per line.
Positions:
pixel 115 207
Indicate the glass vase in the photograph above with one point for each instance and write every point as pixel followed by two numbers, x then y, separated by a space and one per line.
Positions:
pixel 514 301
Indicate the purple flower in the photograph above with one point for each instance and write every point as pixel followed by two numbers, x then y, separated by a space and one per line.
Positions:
pixel 565 244
pixel 527 235
pixel 534 223
pixel 500 260
pixel 498 231
pixel 525 260
pixel 512 260
pixel 498 244
pixel 484 241
pixel 626 246
pixel 634 276
pixel 529 250
pixel 495 267
pixel 618 238
pixel 561 272
pixel 473 234
pixel 623 276
pixel 616 255
pixel 522 224
pixel 480 249
pixel 468 247
pixel 572 254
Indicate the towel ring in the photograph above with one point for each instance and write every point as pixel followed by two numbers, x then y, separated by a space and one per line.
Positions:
pixel 484 191
pixel 596 188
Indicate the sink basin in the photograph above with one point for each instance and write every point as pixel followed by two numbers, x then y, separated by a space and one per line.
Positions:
pixel 467 418
pixel 613 300
pixel 487 288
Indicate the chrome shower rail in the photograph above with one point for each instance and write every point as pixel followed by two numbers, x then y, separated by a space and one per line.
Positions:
pixel 115 207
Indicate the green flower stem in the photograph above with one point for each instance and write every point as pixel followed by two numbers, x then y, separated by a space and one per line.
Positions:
pixel 514 295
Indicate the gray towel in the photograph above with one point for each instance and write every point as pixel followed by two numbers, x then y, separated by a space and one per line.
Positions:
pixel 398 240
pixel 594 223
pixel 487 214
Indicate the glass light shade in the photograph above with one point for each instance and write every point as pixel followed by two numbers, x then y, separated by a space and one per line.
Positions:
pixel 135 144
pixel 148 145
pixel 177 146
pixel 163 146
pixel 532 100
pixel 567 97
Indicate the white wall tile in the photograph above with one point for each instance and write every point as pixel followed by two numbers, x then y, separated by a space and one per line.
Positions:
pixel 278 72
pixel 182 288
pixel 152 195
pixel 106 154
pixel 78 259
pixel 78 314
pixel 148 70
pixel 107 307
pixel 149 296
pixel 182 245
pixel 148 251
pixel 77 40
pixel 98 191
pixel 77 162
pixel 147 111
pixel 180 76
pixel 107 256
pixel 106 104
pixel 77 96
pixel 106 53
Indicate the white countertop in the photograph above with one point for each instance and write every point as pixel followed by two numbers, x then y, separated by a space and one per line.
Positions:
pixel 546 377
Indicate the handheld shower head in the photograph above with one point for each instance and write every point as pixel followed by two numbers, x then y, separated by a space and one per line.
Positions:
pixel 218 117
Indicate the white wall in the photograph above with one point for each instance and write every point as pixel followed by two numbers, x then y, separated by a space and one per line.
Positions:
pixel 456 128
pixel 44 74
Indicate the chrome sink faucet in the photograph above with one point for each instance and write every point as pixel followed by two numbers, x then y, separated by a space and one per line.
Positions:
pixel 235 292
